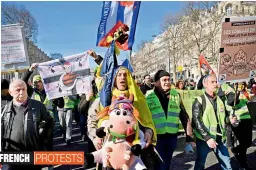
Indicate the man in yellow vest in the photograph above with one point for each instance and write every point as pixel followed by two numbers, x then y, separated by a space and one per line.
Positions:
pixel 167 110
pixel 209 121
pixel 66 117
pixel 38 93
pixel 243 131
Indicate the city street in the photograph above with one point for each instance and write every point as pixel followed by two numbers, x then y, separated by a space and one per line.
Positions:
pixel 180 161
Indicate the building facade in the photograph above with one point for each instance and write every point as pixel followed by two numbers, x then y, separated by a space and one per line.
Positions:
pixel 156 55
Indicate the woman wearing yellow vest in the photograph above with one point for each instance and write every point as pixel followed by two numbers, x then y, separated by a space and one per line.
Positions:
pixel 209 120
pixel 167 110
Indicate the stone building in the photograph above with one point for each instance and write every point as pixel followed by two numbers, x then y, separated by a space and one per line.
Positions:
pixel 155 55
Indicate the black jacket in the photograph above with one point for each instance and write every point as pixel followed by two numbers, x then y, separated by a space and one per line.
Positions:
pixel 200 83
pixel 38 127
pixel 184 118
pixel 144 88
pixel 250 83
pixel 30 90
pixel 98 60
pixel 83 105
pixel 197 113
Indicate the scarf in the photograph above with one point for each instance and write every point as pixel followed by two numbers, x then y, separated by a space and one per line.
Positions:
pixel 139 102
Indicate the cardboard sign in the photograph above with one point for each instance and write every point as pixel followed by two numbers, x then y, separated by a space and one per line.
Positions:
pixel 237 62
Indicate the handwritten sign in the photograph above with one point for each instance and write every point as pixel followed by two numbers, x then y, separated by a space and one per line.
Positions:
pixel 237 54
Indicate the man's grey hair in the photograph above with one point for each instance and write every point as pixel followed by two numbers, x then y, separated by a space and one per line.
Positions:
pixel 207 77
pixel 16 82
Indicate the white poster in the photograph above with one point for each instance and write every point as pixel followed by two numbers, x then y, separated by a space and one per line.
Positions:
pixel 66 76
pixel 13 49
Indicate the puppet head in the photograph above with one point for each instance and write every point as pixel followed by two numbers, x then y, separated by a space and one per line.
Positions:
pixel 123 118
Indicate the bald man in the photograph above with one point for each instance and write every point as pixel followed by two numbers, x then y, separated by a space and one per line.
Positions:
pixel 209 119
pixel 26 124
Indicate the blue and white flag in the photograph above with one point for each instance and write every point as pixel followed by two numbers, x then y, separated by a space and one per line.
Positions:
pixel 114 15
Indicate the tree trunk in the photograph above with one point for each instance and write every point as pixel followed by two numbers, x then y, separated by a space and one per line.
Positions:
pixel 174 68
pixel 199 67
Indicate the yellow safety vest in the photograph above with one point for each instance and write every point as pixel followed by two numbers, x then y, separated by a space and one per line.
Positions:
pixel 171 123
pixel 209 118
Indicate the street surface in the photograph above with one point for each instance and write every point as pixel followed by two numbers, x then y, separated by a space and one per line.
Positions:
pixel 180 161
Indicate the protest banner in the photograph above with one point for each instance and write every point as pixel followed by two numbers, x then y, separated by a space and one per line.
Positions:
pixel 237 62
pixel 66 76
pixel 14 56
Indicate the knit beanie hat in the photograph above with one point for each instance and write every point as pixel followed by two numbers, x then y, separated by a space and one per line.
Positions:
pixel 159 74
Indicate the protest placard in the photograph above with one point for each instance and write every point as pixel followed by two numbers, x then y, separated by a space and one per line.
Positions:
pixel 66 76
pixel 237 60
pixel 14 56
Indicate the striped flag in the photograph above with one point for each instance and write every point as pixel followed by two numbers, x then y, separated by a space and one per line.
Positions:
pixel 115 14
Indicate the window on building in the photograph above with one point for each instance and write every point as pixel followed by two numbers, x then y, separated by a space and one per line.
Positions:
pixel 229 9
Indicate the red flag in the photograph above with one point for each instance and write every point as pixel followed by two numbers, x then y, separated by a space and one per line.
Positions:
pixel 205 65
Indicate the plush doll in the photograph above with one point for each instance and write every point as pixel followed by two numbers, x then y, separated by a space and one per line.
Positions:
pixel 124 139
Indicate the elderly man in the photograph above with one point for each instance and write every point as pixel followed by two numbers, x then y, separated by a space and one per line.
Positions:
pixel 167 109
pixel 209 120
pixel 26 124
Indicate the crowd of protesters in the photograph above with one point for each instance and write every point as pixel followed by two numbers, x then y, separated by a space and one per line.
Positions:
pixel 28 117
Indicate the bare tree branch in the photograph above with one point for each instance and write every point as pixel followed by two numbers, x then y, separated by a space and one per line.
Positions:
pixel 13 14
